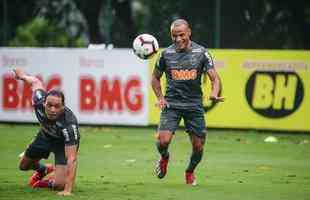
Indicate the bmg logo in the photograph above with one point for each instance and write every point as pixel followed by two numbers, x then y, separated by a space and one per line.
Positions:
pixel 274 94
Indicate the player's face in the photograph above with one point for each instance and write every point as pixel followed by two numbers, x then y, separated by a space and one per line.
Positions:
pixel 180 35
pixel 53 107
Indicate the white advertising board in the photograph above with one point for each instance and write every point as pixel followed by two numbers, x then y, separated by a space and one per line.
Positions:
pixel 100 86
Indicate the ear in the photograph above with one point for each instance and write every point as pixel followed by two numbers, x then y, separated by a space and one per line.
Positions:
pixel 171 36
pixel 189 32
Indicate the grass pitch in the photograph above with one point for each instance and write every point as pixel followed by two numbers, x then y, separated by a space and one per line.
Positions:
pixel 117 164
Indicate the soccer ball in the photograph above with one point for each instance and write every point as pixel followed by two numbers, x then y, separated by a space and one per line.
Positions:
pixel 145 46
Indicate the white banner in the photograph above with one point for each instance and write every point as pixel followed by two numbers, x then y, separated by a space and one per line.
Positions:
pixel 101 86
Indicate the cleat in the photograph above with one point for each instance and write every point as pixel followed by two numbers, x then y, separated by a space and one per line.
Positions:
pixel 46 183
pixel 37 176
pixel 161 167
pixel 190 178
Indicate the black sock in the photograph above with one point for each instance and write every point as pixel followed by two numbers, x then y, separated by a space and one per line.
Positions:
pixel 194 160
pixel 42 168
pixel 162 149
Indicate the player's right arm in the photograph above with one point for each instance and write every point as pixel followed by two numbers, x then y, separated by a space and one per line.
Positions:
pixel 156 86
pixel 32 80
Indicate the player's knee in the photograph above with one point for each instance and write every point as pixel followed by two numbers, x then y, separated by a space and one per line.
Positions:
pixel 198 147
pixel 23 167
pixel 164 142
pixel 164 139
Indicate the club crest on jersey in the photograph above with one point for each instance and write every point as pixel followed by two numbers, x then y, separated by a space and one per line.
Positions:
pixel 183 74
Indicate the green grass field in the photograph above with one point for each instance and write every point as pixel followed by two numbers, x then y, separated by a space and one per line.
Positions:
pixel 117 164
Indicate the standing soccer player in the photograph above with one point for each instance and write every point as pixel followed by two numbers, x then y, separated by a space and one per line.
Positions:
pixel 184 63
pixel 59 133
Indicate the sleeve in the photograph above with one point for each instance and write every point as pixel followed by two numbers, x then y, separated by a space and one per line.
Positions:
pixel 207 61
pixel 71 134
pixel 160 64
pixel 38 97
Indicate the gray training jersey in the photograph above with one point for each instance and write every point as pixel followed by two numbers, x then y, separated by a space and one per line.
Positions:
pixel 65 128
pixel 184 71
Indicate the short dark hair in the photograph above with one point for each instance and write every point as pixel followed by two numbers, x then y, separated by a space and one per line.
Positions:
pixel 179 22
pixel 57 93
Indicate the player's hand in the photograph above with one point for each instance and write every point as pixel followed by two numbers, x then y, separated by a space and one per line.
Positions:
pixel 216 98
pixel 19 73
pixel 162 103
pixel 64 193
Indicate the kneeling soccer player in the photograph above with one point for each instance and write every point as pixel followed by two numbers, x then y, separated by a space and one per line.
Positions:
pixel 59 133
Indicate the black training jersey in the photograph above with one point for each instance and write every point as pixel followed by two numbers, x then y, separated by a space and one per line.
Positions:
pixel 184 71
pixel 65 128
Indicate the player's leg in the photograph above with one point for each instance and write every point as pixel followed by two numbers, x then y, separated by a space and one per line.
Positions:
pixel 195 158
pixel 195 126
pixel 197 152
pixel 37 150
pixel 162 144
pixel 27 163
pixel 169 121
pixel 57 181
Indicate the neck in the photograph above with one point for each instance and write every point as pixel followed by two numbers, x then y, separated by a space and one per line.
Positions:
pixel 187 48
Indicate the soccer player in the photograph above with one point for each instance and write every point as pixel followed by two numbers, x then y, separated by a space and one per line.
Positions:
pixel 59 133
pixel 184 63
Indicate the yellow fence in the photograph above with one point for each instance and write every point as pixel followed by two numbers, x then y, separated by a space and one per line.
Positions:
pixel 264 89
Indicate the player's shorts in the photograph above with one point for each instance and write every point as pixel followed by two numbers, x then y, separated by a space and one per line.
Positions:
pixel 194 120
pixel 41 147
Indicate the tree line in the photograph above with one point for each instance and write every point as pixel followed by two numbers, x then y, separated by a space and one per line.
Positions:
pixel 247 24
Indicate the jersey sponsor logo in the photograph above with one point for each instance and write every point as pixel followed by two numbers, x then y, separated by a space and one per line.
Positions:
pixel 184 74
pixel 274 94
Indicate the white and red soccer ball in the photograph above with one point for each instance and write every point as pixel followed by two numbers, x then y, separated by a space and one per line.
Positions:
pixel 145 46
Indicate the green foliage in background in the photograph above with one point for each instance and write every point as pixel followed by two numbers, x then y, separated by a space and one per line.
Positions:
pixel 41 33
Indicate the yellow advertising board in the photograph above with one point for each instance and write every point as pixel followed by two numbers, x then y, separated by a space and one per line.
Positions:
pixel 264 89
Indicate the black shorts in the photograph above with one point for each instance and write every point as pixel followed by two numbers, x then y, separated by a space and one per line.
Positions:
pixel 42 145
pixel 194 120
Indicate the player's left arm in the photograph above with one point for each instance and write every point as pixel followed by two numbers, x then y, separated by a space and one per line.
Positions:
pixel 213 76
pixel 71 155
pixel 71 136
pixel 216 85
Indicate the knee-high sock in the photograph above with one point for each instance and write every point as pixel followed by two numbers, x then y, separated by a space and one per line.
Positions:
pixel 194 161
pixel 162 149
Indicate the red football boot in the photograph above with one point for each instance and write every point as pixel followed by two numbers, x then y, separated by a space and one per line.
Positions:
pixel 161 167
pixel 37 176
pixel 190 178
